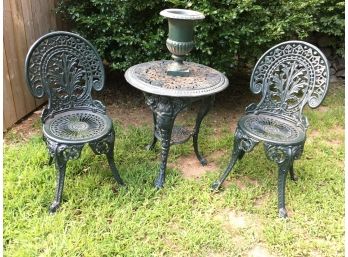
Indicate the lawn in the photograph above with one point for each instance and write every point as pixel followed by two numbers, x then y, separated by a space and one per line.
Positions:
pixel 99 218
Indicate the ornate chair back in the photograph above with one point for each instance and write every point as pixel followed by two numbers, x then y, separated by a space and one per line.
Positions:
pixel 64 67
pixel 290 75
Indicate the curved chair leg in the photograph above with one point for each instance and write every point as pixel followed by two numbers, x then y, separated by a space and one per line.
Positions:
pixel 284 156
pixel 241 144
pixel 283 169
pixel 61 167
pixel 50 160
pixel 106 146
pixel 51 150
pixel 154 139
pixel 298 150
pixel 241 155
pixel 292 173
pixel 62 153
pixel 114 170
pixel 204 109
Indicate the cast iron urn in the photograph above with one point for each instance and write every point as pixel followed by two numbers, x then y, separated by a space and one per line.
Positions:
pixel 180 37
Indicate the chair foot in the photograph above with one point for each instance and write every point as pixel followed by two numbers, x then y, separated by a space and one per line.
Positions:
pixel 150 147
pixel 54 206
pixel 113 168
pixel 216 186
pixel 203 161
pixel 293 177
pixel 159 182
pixel 283 213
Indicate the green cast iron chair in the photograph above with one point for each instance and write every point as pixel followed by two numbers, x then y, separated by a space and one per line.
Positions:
pixel 65 67
pixel 288 76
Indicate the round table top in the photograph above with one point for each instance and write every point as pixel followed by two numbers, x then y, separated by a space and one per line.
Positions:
pixel 151 77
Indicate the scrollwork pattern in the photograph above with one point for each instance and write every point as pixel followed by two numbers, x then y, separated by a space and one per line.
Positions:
pixel 245 142
pixel 63 152
pixel 270 128
pixel 201 77
pixel 280 153
pixel 297 151
pixel 105 145
pixel 65 67
pixel 275 153
pixel 166 109
pixel 290 75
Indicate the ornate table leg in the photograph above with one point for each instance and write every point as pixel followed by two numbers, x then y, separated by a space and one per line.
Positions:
pixel 165 110
pixel 154 139
pixel 206 104
pixel 166 132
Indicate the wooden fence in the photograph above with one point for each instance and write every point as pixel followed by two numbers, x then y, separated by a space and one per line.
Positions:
pixel 24 22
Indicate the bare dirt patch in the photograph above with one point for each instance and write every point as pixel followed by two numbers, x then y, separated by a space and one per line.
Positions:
pixel 314 133
pixel 323 108
pixel 335 142
pixel 251 181
pixel 243 182
pixel 261 201
pixel 237 220
pixel 216 255
pixel 191 168
pixel 239 183
pixel 233 221
pixel 134 116
pixel 240 226
pixel 259 251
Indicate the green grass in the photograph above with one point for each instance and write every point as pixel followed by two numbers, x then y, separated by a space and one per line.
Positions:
pixel 98 218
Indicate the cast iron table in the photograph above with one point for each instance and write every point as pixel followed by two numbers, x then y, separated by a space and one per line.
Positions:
pixel 167 95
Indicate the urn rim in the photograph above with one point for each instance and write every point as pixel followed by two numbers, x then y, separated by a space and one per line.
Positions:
pixel 182 14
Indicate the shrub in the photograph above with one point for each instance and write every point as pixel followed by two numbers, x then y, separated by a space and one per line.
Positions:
pixel 127 32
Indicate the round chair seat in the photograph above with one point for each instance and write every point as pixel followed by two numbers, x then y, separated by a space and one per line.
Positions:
pixel 77 126
pixel 272 129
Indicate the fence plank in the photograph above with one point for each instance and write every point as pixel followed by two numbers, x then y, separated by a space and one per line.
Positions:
pixel 9 116
pixel 44 16
pixel 28 22
pixel 24 22
pixel 30 33
pixel 12 61
pixel 52 14
pixel 21 48
pixel 41 11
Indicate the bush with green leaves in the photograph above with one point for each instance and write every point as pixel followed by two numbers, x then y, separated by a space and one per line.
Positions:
pixel 234 32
